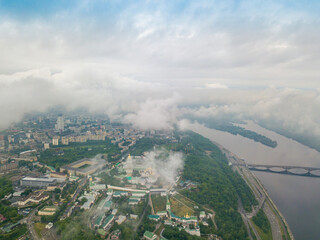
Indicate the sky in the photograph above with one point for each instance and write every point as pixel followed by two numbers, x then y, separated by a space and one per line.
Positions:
pixel 147 62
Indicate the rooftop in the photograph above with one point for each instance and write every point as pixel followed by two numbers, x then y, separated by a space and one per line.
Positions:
pixel 38 179
pixel 99 218
pixel 107 220
pixel 107 204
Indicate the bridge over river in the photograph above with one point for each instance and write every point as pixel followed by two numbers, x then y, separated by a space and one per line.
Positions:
pixel 282 169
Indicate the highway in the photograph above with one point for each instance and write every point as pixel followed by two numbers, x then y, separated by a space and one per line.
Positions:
pixel 265 202
pixel 246 220
pixel 275 226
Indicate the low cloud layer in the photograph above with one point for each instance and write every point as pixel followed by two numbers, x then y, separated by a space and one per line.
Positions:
pixel 167 164
pixel 123 99
pixel 148 105
pixel 148 63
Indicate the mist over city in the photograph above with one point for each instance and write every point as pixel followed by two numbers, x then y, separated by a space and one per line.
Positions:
pixel 161 110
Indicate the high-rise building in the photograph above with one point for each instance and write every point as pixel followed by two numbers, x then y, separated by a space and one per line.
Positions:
pixel 55 141
pixel 60 124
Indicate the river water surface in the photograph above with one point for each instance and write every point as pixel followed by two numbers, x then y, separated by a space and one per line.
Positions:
pixel 297 197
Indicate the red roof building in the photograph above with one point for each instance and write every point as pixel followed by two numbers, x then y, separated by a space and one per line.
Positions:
pixel 2 218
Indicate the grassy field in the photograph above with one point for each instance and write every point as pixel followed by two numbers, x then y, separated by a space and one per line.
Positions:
pixel 39 227
pixel 263 235
pixel 159 203
pixel 185 201
pixel 179 208
pixel 84 166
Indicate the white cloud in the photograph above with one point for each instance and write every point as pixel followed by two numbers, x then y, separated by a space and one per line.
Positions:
pixel 167 164
pixel 136 59
pixel 289 109
pixel 216 85
pixel 154 114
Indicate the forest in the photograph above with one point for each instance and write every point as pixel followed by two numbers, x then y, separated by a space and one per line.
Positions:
pixel 61 155
pixel 262 222
pixel 145 144
pixel 6 187
pixel 218 186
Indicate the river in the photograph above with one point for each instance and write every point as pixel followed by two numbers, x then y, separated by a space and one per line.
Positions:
pixel 297 197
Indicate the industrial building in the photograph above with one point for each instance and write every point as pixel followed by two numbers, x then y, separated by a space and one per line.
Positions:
pixel 36 182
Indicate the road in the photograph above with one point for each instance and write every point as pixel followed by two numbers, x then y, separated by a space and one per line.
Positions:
pixel 246 221
pixel 161 233
pixel 33 233
pixel 142 215
pixel 49 234
pixel 262 197
pixel 275 227
pixel 256 189
pixel 75 196
pixel 212 216
pixel 273 214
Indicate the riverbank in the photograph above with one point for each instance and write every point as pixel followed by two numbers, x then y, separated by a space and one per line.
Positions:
pixel 296 197
pixel 279 225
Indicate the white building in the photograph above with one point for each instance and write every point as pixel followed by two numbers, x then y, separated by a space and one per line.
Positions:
pixel 49 225
pixel 97 187
pixel 114 211
pixel 133 216
pixel 60 124
pixel 202 215
pixel 121 219
pixel 91 197
pixel 65 140
pixel 138 194
pixel 55 141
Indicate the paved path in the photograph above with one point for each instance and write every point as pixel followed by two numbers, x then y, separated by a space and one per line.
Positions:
pixel 151 204
pixel 32 231
pixel 142 216
pixel 212 217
